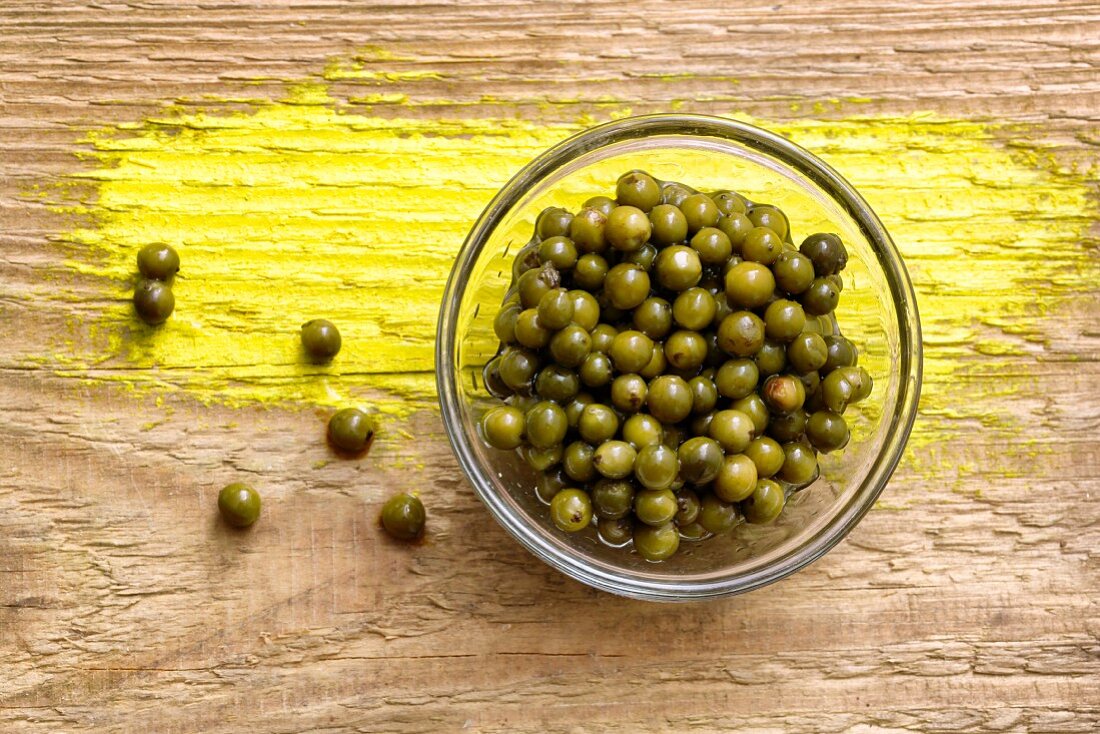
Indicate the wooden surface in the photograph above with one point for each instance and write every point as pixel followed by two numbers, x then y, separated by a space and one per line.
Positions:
pixel 967 601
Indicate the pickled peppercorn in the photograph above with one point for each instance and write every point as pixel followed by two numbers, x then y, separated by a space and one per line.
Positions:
pixel 714 371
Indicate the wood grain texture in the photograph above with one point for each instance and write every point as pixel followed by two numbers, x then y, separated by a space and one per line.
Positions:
pixel 966 602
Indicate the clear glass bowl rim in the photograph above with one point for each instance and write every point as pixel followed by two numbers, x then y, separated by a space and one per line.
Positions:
pixel 909 364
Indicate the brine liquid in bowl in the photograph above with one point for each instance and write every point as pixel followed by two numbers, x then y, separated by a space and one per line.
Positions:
pixel 876 312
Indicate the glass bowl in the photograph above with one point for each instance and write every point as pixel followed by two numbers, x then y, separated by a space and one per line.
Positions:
pixel 877 311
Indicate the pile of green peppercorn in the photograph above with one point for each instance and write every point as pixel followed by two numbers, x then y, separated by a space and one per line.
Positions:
pixel 669 363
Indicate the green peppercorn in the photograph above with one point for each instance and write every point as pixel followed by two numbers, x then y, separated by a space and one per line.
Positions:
pixel 688 506
pixel 821 297
pixel 694 308
pixel 765 503
pixel 321 340
pixel 629 392
pixel 350 430
pixel 793 272
pixel 638 189
pixel 403 516
pixel 685 349
pixel 590 272
pixel 783 393
pixel 555 309
pixel 504 427
pixel 641 430
pixel 826 252
pixel 700 211
pixel 749 285
pixel 504 325
pixel 587 230
pixel 575 406
pixel 630 351
pixel 753 406
pixel 597 423
pixel 656 543
pixel 700 459
pixel 560 252
pixel 729 202
pixel 741 334
pixel 571 510
pixel 596 370
pixel 577 463
pixel 669 399
pixel 732 429
pixel 704 395
pixel 490 374
pixel 570 346
pixel 736 227
pixel 530 331
pixel 668 224
pixel 542 458
pixel 770 217
pixel 653 317
pixel 518 368
pixel 694 531
pixel 736 479
pixel 799 464
pixel 656 467
pixel 548 483
pixel 787 426
pixel 158 261
pixel 602 336
pixel 553 222
pixel 761 245
pixel 617 532
pixel 239 505
pixel 837 391
pixel 546 424
pixel 783 320
pixel 678 268
pixel 713 245
pixel 717 516
pixel 655 507
pixel 807 352
pixel 827 431
pixel 602 204
pixel 767 454
pixel 560 384
pixel 627 228
pixel 675 193
pixel 657 363
pixel 614 459
pixel 737 378
pixel 535 283
pixel 841 353
pixel 626 285
pixel 643 257
pixel 586 311
pixel 526 259
pixel 612 498
pixel 153 301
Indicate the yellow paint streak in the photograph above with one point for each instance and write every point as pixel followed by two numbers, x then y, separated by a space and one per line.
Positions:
pixel 356 70
pixel 993 237
pixel 294 211
pixel 300 208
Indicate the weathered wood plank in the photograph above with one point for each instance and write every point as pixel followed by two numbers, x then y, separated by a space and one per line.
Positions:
pixel 966 602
